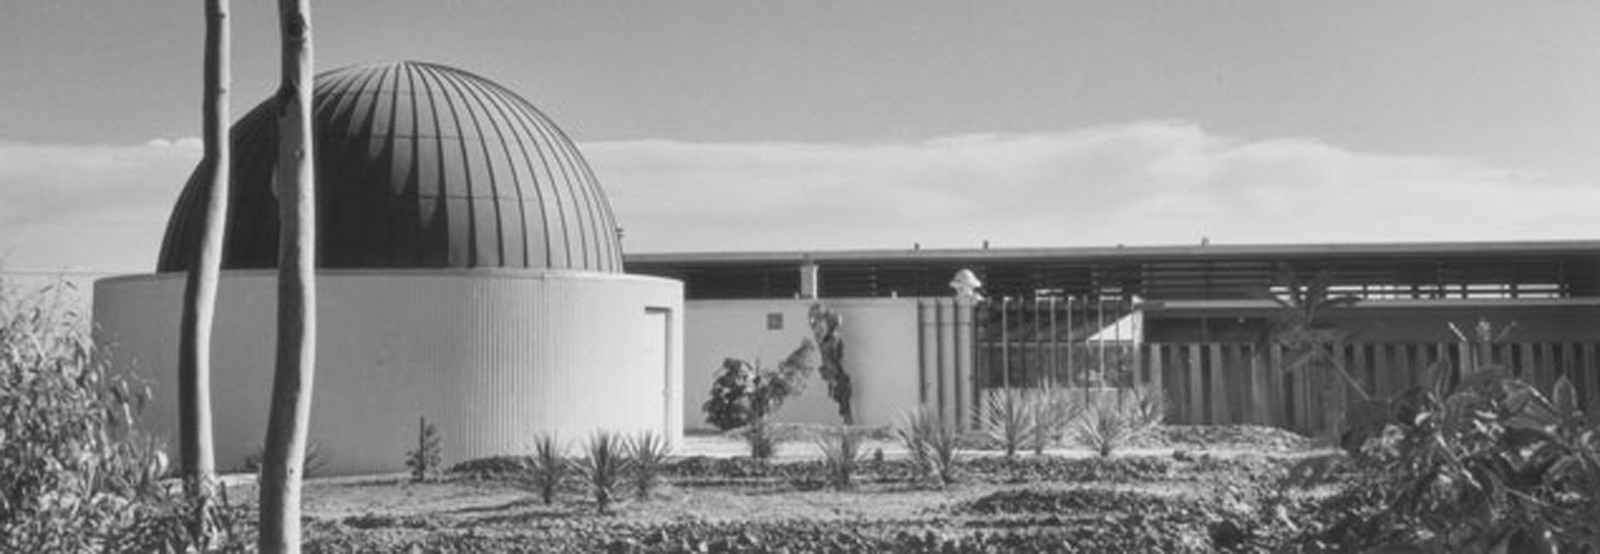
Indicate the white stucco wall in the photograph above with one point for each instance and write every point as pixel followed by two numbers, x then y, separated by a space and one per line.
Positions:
pixel 881 354
pixel 491 357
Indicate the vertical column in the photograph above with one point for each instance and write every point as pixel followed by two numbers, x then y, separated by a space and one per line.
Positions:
pixel 928 354
pixel 810 280
pixel 966 383
pixel 948 388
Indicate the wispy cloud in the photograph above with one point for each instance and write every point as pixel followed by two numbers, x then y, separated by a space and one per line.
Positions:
pixel 105 207
pixel 1140 183
pixel 88 207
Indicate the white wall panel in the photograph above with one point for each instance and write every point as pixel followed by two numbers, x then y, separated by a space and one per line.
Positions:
pixel 491 357
pixel 881 354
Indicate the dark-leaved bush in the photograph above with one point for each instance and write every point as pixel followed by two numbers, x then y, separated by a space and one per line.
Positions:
pixel 1489 464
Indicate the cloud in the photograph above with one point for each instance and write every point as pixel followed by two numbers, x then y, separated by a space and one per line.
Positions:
pixel 89 207
pixel 104 208
pixel 1139 183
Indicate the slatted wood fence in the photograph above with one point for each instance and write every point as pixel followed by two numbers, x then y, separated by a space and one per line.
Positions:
pixel 1219 383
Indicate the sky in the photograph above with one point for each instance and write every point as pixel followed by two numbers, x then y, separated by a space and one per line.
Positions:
pixel 805 124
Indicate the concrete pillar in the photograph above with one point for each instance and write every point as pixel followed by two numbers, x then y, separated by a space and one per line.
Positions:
pixel 810 280
pixel 950 389
pixel 966 381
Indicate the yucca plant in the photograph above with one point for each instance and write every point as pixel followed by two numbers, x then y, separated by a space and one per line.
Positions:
pixel 602 467
pixel 647 452
pixel 1007 418
pixel 1054 410
pixel 1103 428
pixel 546 467
pixel 1107 426
pixel 1149 405
pixel 841 455
pixel 932 444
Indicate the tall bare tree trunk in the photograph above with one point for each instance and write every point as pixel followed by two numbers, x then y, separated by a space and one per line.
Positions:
pixel 200 290
pixel 284 457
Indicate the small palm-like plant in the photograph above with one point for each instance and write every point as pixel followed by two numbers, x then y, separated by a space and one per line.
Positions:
pixel 932 444
pixel 841 455
pixel 547 466
pixel 1007 418
pixel 1107 426
pixel 424 461
pixel 602 467
pixel 1149 405
pixel 1054 410
pixel 763 437
pixel 647 452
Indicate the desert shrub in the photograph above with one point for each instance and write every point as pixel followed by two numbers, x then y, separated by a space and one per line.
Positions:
pixel 1107 426
pixel 1489 464
pixel 546 467
pixel 647 452
pixel 1054 410
pixel 424 462
pixel 764 437
pixel 841 455
pixel 1006 417
pixel 76 475
pixel 1149 405
pixel 602 467
pixel 932 444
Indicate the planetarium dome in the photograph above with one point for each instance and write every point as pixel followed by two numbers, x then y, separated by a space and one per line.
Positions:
pixel 469 276
pixel 419 165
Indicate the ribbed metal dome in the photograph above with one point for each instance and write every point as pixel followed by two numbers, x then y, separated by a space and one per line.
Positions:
pixel 418 165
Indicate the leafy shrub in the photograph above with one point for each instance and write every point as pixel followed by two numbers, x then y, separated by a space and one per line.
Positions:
pixel 546 467
pixel 602 467
pixel 425 460
pixel 841 455
pixel 76 475
pixel 932 444
pixel 1488 464
pixel 742 394
pixel 1107 426
pixel 647 452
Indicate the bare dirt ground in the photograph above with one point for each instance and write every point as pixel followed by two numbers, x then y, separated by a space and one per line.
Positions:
pixel 1184 490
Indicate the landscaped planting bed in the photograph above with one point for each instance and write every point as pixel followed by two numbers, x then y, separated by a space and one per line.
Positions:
pixel 1202 500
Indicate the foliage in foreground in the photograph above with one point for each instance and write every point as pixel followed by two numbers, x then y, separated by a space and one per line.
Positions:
pixel 76 475
pixel 1487 465
pixel 931 441
pixel 602 467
